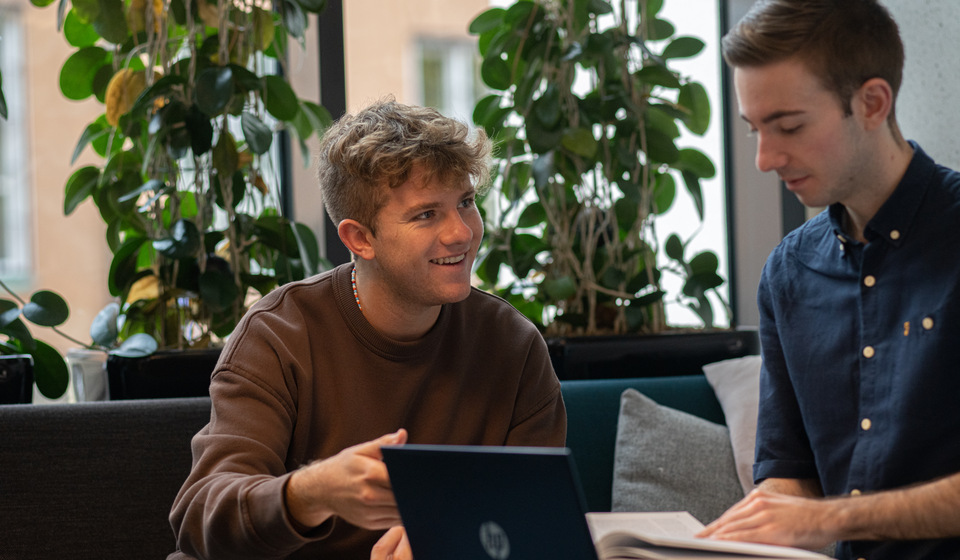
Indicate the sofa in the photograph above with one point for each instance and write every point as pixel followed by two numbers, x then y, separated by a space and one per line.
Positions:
pixel 96 480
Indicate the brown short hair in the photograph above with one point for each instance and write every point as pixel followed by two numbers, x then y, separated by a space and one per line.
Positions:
pixel 842 42
pixel 362 155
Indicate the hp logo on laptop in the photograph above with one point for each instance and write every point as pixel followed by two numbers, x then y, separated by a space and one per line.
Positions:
pixel 494 540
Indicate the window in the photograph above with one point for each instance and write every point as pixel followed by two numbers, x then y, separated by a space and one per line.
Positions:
pixel 15 241
pixel 449 76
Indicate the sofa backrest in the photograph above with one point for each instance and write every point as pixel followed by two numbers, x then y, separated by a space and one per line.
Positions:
pixel 593 408
pixel 94 480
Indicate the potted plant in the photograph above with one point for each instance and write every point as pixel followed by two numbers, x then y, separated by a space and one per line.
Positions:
pixel 25 359
pixel 586 113
pixel 194 99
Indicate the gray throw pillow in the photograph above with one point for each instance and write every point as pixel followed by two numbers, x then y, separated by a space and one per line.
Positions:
pixel 736 383
pixel 668 460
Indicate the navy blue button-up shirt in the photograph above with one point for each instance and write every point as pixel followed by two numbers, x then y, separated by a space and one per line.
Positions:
pixel 860 385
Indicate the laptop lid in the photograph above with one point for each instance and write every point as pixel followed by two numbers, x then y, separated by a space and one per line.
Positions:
pixel 490 503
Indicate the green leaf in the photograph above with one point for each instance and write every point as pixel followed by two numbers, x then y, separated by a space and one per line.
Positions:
pixel 94 131
pixel 487 21
pixel 46 308
pixel 258 135
pixel 42 3
pixel 560 289
pixel 79 34
pixel 659 30
pixel 17 330
pixel 137 346
pixel 674 248
pixel 123 267
pixel 660 147
pixel 704 262
pixel 214 89
pixel 50 371
pixel 547 107
pixel 692 183
pixel 201 130
pixel 294 20
pixel 184 241
pixel 103 329
pixel 110 23
pixel 313 6
pixel 309 249
pixel 683 47
pixel 280 100
pixel 657 75
pixel 696 162
pixel 599 7
pixel 225 158
pixel 693 97
pixel 217 289
pixel 80 185
pixel 665 192
pixel 77 72
pixel 580 141
pixel 9 312
pixel 496 73
pixel 532 216
pixel 317 115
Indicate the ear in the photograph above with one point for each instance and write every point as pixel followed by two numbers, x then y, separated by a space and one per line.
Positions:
pixel 357 237
pixel 875 101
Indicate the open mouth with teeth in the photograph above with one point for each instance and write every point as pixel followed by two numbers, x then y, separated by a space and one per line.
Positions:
pixel 449 260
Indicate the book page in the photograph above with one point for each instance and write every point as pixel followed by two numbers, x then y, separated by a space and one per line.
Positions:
pixel 618 533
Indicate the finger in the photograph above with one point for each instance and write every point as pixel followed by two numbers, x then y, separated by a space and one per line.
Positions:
pixel 385 547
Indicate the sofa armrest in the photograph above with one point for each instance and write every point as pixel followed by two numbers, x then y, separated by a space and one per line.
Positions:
pixel 94 480
pixel 593 408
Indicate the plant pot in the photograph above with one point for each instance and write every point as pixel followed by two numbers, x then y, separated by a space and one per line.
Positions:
pixel 671 353
pixel 16 379
pixel 162 375
pixel 88 372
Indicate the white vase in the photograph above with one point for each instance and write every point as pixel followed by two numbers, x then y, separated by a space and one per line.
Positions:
pixel 88 374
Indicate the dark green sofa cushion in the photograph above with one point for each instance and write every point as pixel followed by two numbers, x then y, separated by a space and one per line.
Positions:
pixel 593 407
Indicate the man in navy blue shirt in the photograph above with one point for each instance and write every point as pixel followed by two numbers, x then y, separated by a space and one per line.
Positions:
pixel 859 429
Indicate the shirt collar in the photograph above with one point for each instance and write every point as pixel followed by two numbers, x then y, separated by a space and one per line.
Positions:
pixel 895 217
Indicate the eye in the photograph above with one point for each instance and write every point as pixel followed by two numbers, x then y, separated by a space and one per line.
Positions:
pixel 467 202
pixel 791 130
pixel 424 215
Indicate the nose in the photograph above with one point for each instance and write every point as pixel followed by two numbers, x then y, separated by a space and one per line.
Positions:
pixel 457 230
pixel 769 156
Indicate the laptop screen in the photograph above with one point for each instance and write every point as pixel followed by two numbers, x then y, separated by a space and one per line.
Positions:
pixel 483 503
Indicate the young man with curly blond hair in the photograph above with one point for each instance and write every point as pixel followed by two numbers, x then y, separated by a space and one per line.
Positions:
pixel 395 347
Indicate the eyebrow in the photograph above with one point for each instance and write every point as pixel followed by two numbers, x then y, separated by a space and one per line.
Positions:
pixel 776 115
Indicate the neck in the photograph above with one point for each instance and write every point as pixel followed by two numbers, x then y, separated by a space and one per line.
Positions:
pixel 880 182
pixel 387 311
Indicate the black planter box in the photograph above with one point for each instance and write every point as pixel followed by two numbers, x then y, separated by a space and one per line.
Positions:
pixel 677 353
pixel 16 379
pixel 162 375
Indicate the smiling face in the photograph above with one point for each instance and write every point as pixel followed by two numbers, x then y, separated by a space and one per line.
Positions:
pixel 427 237
pixel 803 133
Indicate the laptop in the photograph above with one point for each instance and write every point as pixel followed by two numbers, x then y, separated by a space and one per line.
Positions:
pixel 490 503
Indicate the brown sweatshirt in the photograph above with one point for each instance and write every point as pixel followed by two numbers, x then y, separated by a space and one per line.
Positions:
pixel 304 376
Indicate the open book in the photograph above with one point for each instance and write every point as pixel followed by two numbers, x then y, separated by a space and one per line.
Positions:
pixel 670 535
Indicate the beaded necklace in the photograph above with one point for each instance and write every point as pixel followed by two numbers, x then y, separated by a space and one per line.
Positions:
pixel 353 283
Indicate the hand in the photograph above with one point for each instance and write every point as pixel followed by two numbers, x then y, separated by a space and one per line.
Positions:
pixel 353 485
pixel 771 518
pixel 393 545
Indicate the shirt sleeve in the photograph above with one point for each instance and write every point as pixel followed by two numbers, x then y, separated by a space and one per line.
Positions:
pixel 540 417
pixel 232 504
pixel 783 448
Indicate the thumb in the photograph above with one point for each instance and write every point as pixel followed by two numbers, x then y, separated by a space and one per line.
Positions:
pixel 372 448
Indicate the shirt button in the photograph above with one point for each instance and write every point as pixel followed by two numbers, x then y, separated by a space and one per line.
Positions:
pixel 869 281
pixel 866 424
pixel 895 234
pixel 854 492
pixel 928 323
pixel 868 351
